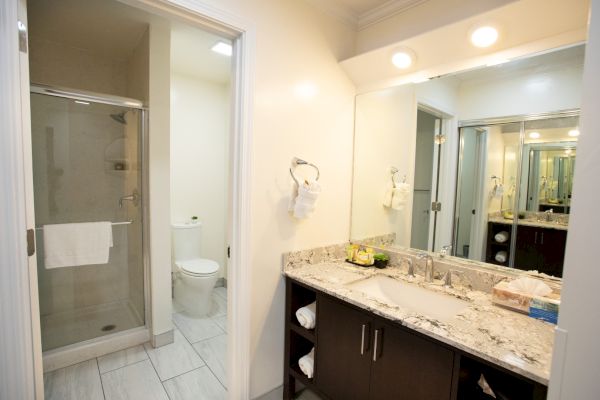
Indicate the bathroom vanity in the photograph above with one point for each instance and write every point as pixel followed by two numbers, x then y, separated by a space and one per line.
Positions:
pixel 371 343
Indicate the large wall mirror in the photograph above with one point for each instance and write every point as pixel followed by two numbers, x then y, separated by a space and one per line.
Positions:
pixel 480 160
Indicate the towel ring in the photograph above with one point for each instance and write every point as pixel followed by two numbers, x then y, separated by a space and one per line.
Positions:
pixel 297 161
pixel 394 172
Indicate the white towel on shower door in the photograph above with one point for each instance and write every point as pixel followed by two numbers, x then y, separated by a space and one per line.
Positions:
pixel 67 245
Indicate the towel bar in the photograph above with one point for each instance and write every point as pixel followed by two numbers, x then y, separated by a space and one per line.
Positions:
pixel 113 223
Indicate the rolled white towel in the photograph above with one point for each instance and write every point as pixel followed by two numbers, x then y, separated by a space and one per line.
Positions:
pixel 500 256
pixel 307 316
pixel 400 196
pixel 307 364
pixel 501 237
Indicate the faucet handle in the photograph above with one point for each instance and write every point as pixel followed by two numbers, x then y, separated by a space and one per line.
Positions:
pixel 445 250
pixel 448 277
pixel 411 267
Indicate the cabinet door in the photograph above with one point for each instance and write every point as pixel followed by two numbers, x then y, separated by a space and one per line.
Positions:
pixel 553 243
pixel 527 249
pixel 343 356
pixel 406 366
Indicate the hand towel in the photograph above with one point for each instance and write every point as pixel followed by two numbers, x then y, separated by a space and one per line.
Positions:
pixel 400 196
pixel 67 245
pixel 308 194
pixel 307 364
pixel 307 316
pixel 500 256
pixel 501 237
pixel 387 197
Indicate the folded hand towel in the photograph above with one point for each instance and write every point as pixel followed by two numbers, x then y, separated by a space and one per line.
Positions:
pixel 500 256
pixel 307 316
pixel 85 243
pixel 501 237
pixel 304 204
pixel 307 364
pixel 387 197
pixel 400 196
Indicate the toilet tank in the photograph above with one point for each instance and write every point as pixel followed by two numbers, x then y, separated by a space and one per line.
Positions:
pixel 186 240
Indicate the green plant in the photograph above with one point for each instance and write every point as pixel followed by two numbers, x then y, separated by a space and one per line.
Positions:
pixel 194 218
pixel 381 257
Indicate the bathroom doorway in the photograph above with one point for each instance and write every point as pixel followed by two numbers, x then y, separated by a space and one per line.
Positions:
pixel 99 81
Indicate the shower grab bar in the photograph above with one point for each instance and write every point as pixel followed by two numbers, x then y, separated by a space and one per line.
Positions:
pixel 113 224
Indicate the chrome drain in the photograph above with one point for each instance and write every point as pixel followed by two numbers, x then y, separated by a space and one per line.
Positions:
pixel 108 328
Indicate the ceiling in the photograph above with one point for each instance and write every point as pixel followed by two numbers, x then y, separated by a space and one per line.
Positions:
pixel 113 29
pixel 362 13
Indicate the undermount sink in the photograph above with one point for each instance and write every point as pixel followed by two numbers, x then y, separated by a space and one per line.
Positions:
pixel 439 306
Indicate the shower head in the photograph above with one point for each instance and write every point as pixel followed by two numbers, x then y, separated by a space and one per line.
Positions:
pixel 120 118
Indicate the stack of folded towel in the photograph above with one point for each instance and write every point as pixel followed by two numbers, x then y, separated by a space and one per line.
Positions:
pixel 396 197
pixel 307 316
pixel 304 198
pixel 307 364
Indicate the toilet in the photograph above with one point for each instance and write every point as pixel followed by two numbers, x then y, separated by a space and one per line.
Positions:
pixel 194 277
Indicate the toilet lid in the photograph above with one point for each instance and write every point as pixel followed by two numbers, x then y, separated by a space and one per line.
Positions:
pixel 199 266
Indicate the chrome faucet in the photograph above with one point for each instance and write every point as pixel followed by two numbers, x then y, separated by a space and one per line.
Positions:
pixel 445 251
pixel 411 267
pixel 133 197
pixel 448 277
pixel 428 266
pixel 549 214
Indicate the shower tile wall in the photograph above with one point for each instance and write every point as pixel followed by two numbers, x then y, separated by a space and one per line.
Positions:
pixel 75 183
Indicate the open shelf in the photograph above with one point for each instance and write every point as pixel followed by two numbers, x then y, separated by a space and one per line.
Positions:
pixel 308 334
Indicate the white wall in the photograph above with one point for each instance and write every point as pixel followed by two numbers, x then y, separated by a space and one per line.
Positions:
pixel 159 179
pixel 527 93
pixel 200 160
pixel 576 358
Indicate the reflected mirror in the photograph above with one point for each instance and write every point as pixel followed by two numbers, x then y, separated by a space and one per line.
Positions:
pixel 481 161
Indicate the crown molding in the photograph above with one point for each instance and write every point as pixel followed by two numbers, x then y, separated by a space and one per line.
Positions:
pixel 385 11
pixel 336 10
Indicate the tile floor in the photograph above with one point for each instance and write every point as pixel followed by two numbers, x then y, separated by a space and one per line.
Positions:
pixel 193 367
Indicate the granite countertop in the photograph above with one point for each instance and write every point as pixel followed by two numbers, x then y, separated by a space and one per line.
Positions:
pixel 506 338
pixel 530 222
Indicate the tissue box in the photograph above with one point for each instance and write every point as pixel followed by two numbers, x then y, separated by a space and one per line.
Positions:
pixel 544 308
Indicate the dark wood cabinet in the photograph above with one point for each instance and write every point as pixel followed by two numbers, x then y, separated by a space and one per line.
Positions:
pixel 536 248
pixel 406 366
pixel 361 356
pixel 344 350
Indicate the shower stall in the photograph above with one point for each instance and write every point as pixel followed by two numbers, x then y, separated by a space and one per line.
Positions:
pixel 89 166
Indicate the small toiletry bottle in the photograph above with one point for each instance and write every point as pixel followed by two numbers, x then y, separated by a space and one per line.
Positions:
pixel 350 252
pixel 370 253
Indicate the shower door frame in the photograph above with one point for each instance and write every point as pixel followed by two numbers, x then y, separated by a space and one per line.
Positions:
pixel 51 358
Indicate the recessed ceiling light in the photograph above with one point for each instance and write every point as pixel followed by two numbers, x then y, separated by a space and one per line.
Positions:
pixel 574 132
pixel 223 48
pixel 534 135
pixel 82 102
pixel 402 59
pixel 484 36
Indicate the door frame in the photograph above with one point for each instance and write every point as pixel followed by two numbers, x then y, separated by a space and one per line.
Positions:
pixel 23 347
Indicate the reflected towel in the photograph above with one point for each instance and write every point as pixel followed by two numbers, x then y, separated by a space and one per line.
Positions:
pixel 307 316
pixel 500 256
pixel 501 237
pixel 400 196
pixel 67 245
pixel 307 364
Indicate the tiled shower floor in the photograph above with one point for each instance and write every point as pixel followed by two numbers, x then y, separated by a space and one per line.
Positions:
pixel 75 326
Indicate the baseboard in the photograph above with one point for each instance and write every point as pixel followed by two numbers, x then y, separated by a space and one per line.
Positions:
pixel 163 339
pixel 274 394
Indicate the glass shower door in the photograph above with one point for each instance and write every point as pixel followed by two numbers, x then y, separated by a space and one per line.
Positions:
pixel 87 167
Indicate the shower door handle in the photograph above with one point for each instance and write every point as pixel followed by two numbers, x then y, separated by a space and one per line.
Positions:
pixel 133 197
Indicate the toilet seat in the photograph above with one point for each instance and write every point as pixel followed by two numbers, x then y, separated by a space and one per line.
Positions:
pixel 198 267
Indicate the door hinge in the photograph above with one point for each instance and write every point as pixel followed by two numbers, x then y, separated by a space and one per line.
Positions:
pixel 436 206
pixel 30 242
pixel 228 252
pixel 22 36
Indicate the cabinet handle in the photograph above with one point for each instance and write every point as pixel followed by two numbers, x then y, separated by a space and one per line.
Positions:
pixel 375 345
pixel 535 241
pixel 362 340
pixel 542 238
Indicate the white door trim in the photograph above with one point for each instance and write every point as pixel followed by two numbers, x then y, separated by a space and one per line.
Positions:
pixel 20 375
